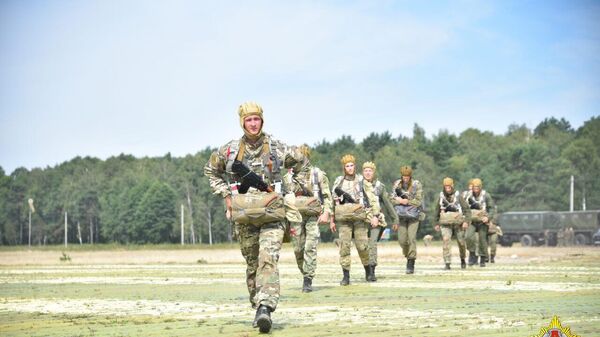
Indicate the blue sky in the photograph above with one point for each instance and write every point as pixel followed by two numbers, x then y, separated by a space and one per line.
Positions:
pixel 100 78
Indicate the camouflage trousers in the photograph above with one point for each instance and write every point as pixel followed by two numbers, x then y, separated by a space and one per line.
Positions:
pixel 407 237
pixel 477 234
pixel 374 233
pixel 460 234
pixel 492 242
pixel 260 247
pixel 305 238
pixel 361 241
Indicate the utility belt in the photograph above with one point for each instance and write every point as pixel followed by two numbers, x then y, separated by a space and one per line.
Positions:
pixel 451 218
pixel 257 208
pixel 350 212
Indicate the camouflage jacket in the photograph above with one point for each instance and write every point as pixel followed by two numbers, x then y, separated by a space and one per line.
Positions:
pixel 359 192
pixel 264 157
pixel 414 192
pixel 301 183
pixel 483 201
pixel 383 200
pixel 457 201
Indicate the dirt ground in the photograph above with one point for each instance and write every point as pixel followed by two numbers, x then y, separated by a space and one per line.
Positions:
pixel 201 291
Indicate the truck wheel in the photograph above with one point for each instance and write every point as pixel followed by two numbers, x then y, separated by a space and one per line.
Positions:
pixel 581 239
pixel 526 240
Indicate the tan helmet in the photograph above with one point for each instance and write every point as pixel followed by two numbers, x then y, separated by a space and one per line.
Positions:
pixel 477 183
pixel 347 159
pixel 406 171
pixel 305 150
pixel 250 109
pixel 448 182
pixel 369 164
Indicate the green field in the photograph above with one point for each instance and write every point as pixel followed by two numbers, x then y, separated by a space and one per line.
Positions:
pixel 169 291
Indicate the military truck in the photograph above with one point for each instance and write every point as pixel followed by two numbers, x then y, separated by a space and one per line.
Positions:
pixel 534 228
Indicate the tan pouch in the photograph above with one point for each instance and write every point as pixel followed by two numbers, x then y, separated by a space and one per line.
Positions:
pixel 477 215
pixel 451 218
pixel 257 208
pixel 350 212
pixel 308 206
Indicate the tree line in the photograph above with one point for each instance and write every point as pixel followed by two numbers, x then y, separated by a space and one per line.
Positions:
pixel 131 200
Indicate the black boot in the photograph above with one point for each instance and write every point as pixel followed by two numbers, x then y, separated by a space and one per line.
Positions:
pixel 463 264
pixel 492 259
pixel 262 320
pixel 447 266
pixel 307 286
pixel 346 280
pixel 410 266
pixel 373 277
pixel 472 259
pixel 482 261
pixel 487 259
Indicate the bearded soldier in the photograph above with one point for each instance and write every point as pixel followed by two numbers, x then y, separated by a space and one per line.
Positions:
pixel 247 174
pixel 407 197
pixel 314 201
pixel 383 199
pixel 482 212
pixel 452 217
pixel 353 213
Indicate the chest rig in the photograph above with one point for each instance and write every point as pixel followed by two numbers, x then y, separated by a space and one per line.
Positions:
pixel 263 161
pixel 452 205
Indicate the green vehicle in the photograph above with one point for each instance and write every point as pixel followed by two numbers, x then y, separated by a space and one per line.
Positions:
pixel 584 223
pixel 534 228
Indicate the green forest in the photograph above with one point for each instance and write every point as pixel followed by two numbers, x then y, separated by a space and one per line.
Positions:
pixel 130 200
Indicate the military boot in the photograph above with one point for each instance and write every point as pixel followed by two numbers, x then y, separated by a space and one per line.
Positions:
pixel 410 266
pixel 482 261
pixel 472 259
pixel 263 319
pixel 492 259
pixel 463 264
pixel 346 280
pixel 447 266
pixel 373 277
pixel 307 286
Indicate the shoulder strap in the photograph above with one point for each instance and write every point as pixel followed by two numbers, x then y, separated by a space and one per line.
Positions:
pixel 233 153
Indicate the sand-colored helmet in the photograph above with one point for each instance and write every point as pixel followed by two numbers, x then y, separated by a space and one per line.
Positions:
pixel 347 159
pixel 448 182
pixel 477 183
pixel 406 171
pixel 250 109
pixel 369 164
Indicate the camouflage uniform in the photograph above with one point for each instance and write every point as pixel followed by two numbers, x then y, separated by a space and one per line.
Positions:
pixel 407 230
pixel 260 246
pixel 305 235
pixel 352 186
pixel 485 201
pixel 456 201
pixel 382 197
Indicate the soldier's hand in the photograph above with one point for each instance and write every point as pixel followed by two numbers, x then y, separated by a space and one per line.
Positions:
pixel 228 207
pixel 324 218
pixel 374 222
pixel 485 219
pixel 465 225
pixel 395 227
pixel 437 228
pixel 332 227
pixel 402 201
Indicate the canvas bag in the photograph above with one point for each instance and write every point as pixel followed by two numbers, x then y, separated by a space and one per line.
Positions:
pixel 257 208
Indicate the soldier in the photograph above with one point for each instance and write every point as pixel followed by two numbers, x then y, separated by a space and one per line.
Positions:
pixel 234 172
pixel 452 218
pixel 353 213
pixel 383 197
pixel 560 237
pixel 482 212
pixel 494 231
pixel 311 187
pixel 407 198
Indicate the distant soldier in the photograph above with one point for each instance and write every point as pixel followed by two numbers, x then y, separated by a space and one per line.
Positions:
pixel 570 238
pixel 383 200
pixel 482 212
pixel 560 237
pixel 547 237
pixel 353 214
pixel 452 217
pixel 494 232
pixel 314 201
pixel 407 197
pixel 247 174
